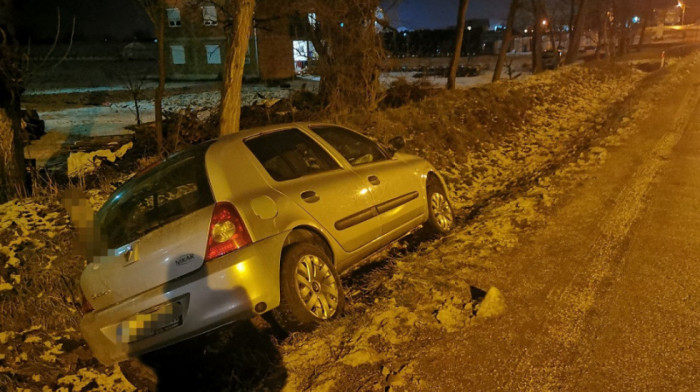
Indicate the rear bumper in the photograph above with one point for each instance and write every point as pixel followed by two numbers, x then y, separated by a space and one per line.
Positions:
pixel 222 291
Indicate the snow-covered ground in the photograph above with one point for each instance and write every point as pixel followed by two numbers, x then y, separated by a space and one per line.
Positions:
pixel 413 321
pixel 67 124
pixel 464 82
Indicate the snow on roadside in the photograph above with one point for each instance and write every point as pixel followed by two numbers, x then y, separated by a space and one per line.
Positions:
pixel 81 163
pixel 428 293
pixel 428 290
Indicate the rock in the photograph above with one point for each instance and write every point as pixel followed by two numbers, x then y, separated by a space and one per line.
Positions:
pixel 494 304
pixel 451 318
pixel 361 356
pixel 396 380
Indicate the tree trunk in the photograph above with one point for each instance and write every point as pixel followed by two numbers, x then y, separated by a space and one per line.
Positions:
pixel 609 46
pixel 11 155
pixel 624 39
pixel 136 106
pixel 160 34
pixel 537 65
pixel 507 38
pixel 461 22
pixel 235 61
pixel 645 20
pixel 576 34
pixel 12 172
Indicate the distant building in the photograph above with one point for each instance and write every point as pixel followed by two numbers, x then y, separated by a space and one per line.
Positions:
pixel 486 24
pixel 196 44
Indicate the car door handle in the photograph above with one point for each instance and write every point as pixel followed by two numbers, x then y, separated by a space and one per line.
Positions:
pixel 373 180
pixel 310 196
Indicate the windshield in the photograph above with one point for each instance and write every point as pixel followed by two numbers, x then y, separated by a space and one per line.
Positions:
pixel 176 187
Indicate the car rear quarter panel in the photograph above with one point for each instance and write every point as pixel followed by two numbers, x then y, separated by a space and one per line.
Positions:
pixel 236 176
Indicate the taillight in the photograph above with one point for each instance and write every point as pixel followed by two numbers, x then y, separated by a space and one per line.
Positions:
pixel 226 231
pixel 85 306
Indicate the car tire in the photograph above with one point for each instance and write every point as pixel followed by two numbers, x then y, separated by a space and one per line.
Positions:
pixel 310 289
pixel 440 214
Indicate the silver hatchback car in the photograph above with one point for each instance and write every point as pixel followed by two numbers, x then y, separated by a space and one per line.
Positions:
pixel 263 220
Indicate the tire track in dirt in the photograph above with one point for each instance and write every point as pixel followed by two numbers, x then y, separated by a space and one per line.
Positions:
pixel 571 304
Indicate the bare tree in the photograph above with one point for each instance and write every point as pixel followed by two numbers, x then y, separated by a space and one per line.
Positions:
pixel 507 38
pixel 155 9
pixel 538 9
pixel 461 22
pixel 576 31
pixel 648 12
pixel 133 77
pixel 606 19
pixel 11 87
pixel 238 34
pixel 31 71
pixel 15 69
pixel 350 52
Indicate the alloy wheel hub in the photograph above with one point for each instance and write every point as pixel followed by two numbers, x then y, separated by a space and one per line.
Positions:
pixel 317 287
pixel 441 211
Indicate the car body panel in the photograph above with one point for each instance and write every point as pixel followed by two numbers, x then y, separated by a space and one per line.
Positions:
pixel 338 194
pixel 396 192
pixel 224 290
pixel 160 256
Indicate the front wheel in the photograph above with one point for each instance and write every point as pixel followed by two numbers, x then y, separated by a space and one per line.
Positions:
pixel 310 290
pixel 440 215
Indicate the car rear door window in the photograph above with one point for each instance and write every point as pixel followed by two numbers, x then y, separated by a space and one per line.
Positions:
pixel 354 147
pixel 171 190
pixel 290 154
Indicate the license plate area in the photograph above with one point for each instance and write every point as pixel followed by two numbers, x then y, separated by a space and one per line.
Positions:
pixel 147 323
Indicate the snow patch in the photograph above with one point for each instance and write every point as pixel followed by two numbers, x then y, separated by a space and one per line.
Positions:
pixel 82 163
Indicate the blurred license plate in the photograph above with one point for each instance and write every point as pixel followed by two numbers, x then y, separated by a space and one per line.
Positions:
pixel 149 322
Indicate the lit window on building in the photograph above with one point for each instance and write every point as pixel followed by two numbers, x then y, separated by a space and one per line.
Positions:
pixel 209 15
pixel 178 53
pixel 213 54
pixel 173 17
pixel 312 19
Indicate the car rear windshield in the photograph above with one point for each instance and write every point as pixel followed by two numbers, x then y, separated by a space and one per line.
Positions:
pixel 173 189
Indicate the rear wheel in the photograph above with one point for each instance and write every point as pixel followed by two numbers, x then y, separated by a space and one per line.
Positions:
pixel 310 290
pixel 440 215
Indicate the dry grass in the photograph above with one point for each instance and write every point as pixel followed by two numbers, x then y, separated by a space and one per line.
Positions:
pixel 465 119
pixel 448 128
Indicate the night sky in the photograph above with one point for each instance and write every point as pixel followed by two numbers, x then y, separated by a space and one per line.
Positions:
pixel 123 19
pixel 434 14
pixel 94 19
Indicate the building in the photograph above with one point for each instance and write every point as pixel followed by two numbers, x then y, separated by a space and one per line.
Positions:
pixel 196 44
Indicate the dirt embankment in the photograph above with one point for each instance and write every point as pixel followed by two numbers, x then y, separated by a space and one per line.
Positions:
pixel 509 151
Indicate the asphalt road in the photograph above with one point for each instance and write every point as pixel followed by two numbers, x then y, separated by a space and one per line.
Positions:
pixel 606 297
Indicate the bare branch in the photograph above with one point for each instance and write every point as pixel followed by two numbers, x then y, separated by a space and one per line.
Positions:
pixel 70 45
pixel 55 39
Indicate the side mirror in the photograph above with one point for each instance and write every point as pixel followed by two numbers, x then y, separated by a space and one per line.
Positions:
pixel 397 143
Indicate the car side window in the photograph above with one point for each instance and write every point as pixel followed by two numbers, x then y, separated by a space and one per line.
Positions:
pixel 290 154
pixel 354 147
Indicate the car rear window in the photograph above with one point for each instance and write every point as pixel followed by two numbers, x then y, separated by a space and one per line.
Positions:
pixel 171 190
pixel 290 154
